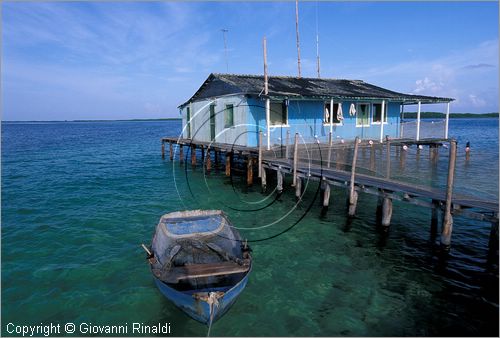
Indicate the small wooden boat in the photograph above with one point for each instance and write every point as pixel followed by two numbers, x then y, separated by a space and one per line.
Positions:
pixel 199 262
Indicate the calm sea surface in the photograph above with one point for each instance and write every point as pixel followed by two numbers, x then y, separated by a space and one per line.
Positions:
pixel 78 199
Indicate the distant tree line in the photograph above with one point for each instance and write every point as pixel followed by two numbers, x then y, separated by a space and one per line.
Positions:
pixel 436 115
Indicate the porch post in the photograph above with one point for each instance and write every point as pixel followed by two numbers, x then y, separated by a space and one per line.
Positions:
pixel 447 120
pixel 401 122
pixel 418 121
pixel 268 123
pixel 331 116
pixel 382 122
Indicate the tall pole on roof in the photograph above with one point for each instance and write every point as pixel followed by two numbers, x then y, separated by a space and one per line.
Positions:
pixel 266 89
pixel 297 32
pixel 317 41
pixel 266 92
pixel 224 31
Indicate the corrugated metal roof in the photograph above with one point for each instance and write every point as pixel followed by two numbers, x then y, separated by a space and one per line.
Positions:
pixel 217 85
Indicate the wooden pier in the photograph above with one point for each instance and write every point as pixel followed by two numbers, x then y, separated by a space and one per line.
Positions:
pixel 327 164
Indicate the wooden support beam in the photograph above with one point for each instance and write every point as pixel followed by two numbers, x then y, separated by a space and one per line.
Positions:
pixel 353 194
pixel 209 160
pixel 402 157
pixel 388 157
pixel 216 160
pixel 263 181
pixel 329 158
pixel 181 153
pixel 447 217
pixel 193 155
pixel 162 149
pixel 298 188
pixel 228 163
pixel 279 180
pixel 260 154
pixel 171 149
pixel 372 156
pixel 250 171
pixel 326 194
pixel 295 158
pixel 386 212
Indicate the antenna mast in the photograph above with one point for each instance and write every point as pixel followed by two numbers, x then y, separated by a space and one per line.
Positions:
pixel 224 31
pixel 317 42
pixel 297 32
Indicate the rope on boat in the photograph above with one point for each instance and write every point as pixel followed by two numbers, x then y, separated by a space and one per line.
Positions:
pixel 213 303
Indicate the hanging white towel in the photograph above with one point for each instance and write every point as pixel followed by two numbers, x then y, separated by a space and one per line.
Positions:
pixel 340 114
pixel 352 110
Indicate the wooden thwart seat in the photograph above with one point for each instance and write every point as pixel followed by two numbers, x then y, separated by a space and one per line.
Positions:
pixel 205 270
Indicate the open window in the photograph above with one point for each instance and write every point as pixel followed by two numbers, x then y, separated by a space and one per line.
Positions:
pixel 377 113
pixel 331 116
pixel 278 113
pixel 363 115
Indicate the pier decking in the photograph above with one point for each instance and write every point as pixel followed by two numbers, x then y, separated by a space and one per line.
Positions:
pixel 340 164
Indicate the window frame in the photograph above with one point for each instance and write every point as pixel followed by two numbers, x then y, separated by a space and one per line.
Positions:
pixel 284 108
pixel 358 104
pixel 385 113
pixel 340 123
pixel 226 114
pixel 188 121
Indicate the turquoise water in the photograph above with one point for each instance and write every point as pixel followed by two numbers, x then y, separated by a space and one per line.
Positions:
pixel 79 198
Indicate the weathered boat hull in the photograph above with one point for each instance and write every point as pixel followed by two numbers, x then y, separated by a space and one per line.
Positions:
pixel 199 262
pixel 198 309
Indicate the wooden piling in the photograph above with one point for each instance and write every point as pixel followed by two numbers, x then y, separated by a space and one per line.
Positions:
pixel 162 149
pixel 298 188
pixel 386 212
pixel 388 158
pixel 295 158
pixel 402 157
pixel 216 160
pixel 193 155
pixel 202 154
pixel 353 194
pixel 434 153
pixel 447 217
pixel 209 160
pixel 467 151
pixel 326 194
pixel 279 180
pixel 181 153
pixel 260 154
pixel 263 181
pixel 372 157
pixel 171 149
pixel 250 171
pixel 228 163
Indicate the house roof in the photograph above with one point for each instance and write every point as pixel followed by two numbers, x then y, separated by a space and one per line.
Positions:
pixel 217 85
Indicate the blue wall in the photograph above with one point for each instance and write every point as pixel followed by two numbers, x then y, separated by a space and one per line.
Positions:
pixel 306 118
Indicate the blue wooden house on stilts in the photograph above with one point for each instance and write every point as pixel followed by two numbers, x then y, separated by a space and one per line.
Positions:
pixel 233 109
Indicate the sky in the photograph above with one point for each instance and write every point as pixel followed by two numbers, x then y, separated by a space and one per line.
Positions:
pixel 128 60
